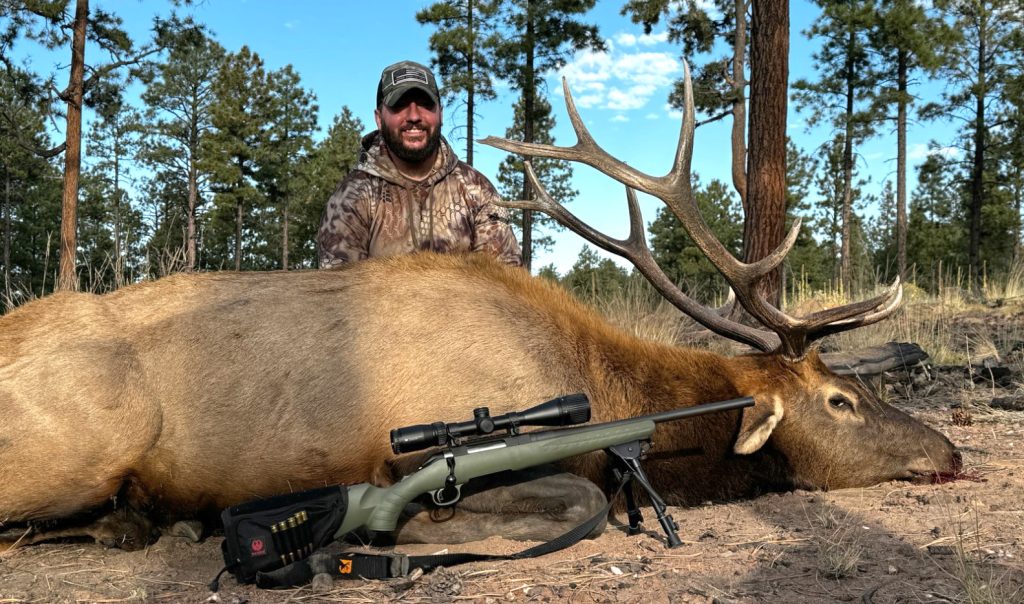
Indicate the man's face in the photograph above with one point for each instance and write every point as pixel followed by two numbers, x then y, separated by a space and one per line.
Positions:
pixel 412 128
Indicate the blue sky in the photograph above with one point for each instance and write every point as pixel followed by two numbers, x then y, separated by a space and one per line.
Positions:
pixel 340 46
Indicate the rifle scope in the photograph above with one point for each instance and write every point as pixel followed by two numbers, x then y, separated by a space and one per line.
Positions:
pixel 563 411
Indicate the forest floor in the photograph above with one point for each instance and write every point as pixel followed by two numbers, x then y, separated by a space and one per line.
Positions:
pixel 961 541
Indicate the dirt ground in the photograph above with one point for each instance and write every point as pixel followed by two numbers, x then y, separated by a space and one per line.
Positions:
pixel 895 542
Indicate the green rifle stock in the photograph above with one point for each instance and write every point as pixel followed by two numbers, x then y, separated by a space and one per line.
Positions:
pixel 378 509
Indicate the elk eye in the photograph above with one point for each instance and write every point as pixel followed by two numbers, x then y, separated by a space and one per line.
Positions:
pixel 839 401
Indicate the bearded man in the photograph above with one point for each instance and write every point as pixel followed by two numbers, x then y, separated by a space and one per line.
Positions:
pixel 409 192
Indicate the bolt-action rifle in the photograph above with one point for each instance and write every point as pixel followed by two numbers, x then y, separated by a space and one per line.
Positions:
pixel 283 531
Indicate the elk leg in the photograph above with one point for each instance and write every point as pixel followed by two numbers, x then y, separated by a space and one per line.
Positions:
pixel 537 504
pixel 125 528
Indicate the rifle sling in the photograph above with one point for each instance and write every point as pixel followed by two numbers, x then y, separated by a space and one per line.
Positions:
pixel 388 566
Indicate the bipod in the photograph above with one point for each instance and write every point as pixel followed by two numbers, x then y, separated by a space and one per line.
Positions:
pixel 628 456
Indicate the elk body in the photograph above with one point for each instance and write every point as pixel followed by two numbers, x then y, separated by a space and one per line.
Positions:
pixel 196 392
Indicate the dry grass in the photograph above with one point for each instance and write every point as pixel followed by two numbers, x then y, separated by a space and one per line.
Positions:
pixel 925 320
pixel 838 542
pixel 639 310
pixel 982 580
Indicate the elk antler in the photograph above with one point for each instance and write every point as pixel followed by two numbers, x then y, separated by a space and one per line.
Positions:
pixel 788 335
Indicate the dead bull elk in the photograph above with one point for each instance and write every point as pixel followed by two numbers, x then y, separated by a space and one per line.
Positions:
pixel 195 392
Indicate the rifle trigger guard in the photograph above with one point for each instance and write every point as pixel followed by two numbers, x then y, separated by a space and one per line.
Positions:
pixel 452 491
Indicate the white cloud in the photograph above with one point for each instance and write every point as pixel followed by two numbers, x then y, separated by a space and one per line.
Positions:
pixel 628 40
pixel 587 73
pixel 620 118
pixel 652 116
pixel 652 39
pixel 624 39
pixel 623 78
pixel 921 151
pixel 624 100
pixel 291 24
pixel 587 101
pixel 652 68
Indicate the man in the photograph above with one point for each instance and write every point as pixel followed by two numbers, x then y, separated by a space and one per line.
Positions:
pixel 409 192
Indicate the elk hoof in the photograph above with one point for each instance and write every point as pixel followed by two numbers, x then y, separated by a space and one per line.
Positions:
pixel 125 529
pixel 322 583
pixel 187 529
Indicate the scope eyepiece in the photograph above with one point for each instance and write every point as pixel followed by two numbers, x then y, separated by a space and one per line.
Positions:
pixel 563 411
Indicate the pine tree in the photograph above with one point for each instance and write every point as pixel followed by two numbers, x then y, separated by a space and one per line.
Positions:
pixel 230 153
pixel 554 174
pixel 29 188
pixel 539 36
pixel 50 22
pixel 592 277
pixel 836 221
pixel 977 64
pixel 290 115
pixel 178 97
pixel 463 48
pixel 113 143
pixel 808 263
pixel 936 233
pixel 678 255
pixel 319 174
pixel 905 37
pixel 842 96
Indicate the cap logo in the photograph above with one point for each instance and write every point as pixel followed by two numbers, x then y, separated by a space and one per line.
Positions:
pixel 405 75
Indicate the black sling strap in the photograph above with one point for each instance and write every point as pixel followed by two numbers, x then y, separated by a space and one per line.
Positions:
pixel 386 566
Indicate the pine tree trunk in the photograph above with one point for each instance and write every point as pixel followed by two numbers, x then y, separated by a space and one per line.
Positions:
pixel 901 165
pixel 739 107
pixel 845 278
pixel 471 83
pixel 238 235
pixel 68 277
pixel 284 239
pixel 764 227
pixel 7 236
pixel 978 166
pixel 118 261
pixel 190 219
pixel 528 102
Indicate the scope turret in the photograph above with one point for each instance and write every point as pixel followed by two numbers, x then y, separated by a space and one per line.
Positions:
pixel 563 411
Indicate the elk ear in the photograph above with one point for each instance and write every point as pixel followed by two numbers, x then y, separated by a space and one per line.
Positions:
pixel 756 426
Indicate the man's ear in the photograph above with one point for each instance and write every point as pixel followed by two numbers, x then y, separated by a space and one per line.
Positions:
pixel 376 117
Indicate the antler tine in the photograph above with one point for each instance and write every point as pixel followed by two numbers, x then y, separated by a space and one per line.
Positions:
pixel 634 249
pixel 587 151
pixel 857 314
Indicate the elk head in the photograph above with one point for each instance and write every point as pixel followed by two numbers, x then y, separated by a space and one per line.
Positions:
pixel 822 424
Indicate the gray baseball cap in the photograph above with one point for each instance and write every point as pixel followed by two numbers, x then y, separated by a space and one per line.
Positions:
pixel 402 77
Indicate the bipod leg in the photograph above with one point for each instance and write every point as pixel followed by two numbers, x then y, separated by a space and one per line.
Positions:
pixel 629 455
pixel 632 511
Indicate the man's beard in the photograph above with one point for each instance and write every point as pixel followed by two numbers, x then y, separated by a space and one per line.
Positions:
pixel 398 148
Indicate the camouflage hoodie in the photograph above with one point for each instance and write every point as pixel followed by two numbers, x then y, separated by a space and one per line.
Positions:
pixel 377 211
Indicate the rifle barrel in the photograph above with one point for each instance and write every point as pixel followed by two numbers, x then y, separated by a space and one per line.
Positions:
pixel 666 416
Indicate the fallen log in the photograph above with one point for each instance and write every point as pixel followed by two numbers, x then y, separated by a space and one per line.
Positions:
pixel 876 359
